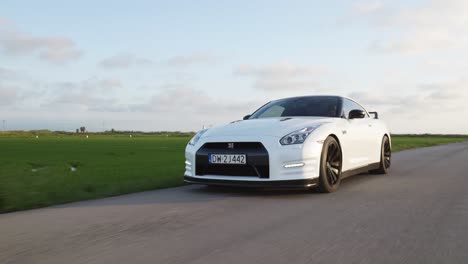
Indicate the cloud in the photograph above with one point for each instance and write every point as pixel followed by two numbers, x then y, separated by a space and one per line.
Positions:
pixel 278 69
pixel 282 76
pixel 91 84
pixel 285 84
pixel 195 108
pixel 7 74
pixel 57 50
pixel 454 93
pixel 123 60
pixel 109 84
pixel 425 97
pixel 3 22
pixel 192 59
pixel 368 7
pixel 88 95
pixel 66 105
pixel 434 25
pixel 8 95
pixel 428 109
pixel 418 42
pixel 377 98
pixel 184 99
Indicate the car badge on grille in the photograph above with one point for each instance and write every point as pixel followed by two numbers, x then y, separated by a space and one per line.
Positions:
pixel 230 145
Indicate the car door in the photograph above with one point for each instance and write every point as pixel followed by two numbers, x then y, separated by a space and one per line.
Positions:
pixel 378 130
pixel 359 137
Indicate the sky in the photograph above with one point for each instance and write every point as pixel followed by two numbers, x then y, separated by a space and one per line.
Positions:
pixel 181 65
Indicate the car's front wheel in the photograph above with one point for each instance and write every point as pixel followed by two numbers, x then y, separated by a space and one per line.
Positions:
pixel 330 166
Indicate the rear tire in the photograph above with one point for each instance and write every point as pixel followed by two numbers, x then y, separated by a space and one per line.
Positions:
pixel 330 166
pixel 385 157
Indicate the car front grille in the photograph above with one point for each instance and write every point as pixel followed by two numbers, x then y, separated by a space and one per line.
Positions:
pixel 257 160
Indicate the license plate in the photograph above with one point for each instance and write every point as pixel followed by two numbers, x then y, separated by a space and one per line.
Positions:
pixel 227 159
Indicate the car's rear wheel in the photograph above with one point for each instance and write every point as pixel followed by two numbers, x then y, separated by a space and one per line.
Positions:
pixel 330 166
pixel 385 157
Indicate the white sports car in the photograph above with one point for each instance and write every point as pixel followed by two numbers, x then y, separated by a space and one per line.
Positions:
pixel 310 141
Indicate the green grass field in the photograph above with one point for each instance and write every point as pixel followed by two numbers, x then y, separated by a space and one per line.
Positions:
pixel 402 142
pixel 39 172
pixel 57 168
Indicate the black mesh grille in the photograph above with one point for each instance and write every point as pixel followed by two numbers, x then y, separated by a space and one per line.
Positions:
pixel 257 159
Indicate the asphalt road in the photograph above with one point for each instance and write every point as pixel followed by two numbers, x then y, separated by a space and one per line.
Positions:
pixel 416 214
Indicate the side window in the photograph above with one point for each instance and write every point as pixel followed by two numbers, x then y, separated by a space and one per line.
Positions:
pixel 274 111
pixel 349 105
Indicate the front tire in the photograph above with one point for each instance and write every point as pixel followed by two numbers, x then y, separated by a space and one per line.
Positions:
pixel 385 157
pixel 330 166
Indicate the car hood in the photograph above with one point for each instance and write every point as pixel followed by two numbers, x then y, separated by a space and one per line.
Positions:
pixel 277 127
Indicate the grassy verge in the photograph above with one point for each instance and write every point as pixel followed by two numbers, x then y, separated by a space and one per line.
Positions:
pixel 58 168
pixel 402 142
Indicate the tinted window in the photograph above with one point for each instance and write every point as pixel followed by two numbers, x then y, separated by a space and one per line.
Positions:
pixel 349 105
pixel 300 106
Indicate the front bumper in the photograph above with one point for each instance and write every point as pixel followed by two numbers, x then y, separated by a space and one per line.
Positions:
pixel 280 160
pixel 305 183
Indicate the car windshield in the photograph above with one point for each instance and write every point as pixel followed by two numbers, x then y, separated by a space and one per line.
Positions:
pixel 324 106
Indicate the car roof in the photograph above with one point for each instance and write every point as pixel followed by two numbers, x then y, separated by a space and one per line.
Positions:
pixel 307 96
pixel 329 96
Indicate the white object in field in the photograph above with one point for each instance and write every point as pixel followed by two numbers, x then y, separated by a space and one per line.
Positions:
pixel 87 136
pixel 72 168
pixel 130 135
pixel 37 136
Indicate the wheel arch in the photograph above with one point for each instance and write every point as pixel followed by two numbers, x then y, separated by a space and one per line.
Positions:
pixel 339 143
pixel 323 183
pixel 389 138
pixel 336 138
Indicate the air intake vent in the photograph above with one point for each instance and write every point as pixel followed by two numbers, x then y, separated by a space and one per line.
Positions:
pixel 236 145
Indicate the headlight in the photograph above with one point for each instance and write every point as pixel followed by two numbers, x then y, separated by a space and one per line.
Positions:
pixel 299 136
pixel 197 137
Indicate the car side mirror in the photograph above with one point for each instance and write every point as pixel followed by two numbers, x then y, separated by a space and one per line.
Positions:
pixel 355 114
pixel 376 115
pixel 247 117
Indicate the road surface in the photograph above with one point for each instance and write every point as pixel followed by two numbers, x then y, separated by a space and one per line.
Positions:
pixel 416 214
